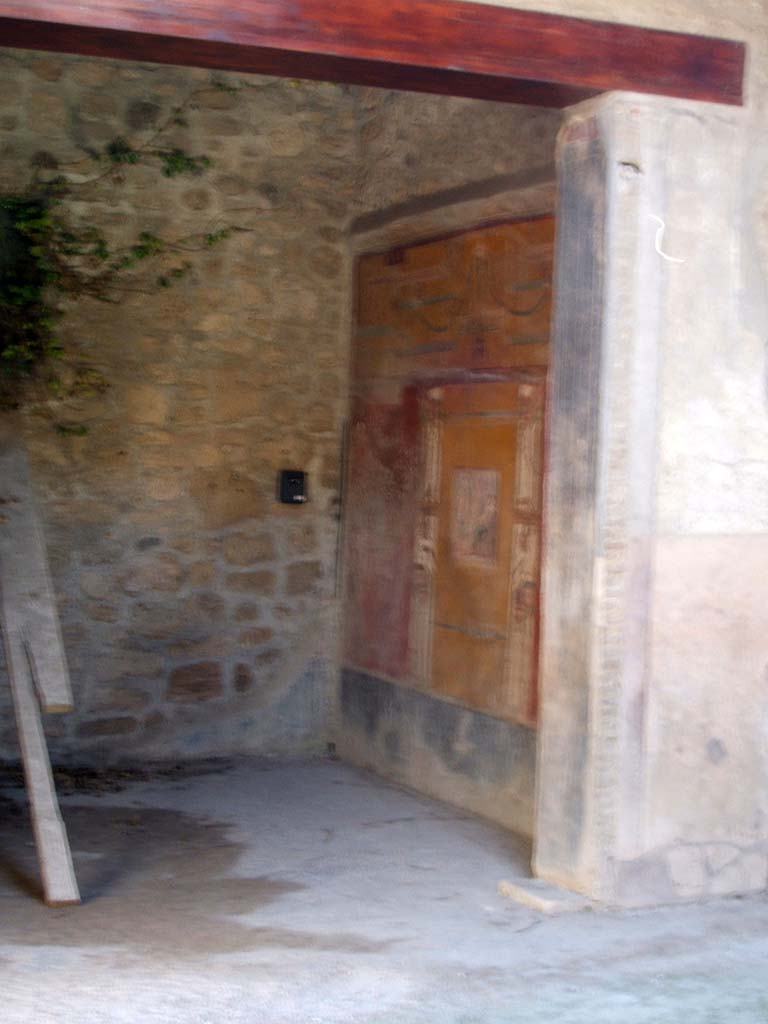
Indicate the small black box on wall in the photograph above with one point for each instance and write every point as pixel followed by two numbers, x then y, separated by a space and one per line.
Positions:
pixel 292 486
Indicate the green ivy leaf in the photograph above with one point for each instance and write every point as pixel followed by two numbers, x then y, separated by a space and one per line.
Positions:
pixel 71 429
pixel 177 161
pixel 120 151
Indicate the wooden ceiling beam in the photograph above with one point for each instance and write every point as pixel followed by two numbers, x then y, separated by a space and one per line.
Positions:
pixel 439 46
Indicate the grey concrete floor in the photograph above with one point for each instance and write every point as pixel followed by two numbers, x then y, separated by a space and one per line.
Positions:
pixel 313 892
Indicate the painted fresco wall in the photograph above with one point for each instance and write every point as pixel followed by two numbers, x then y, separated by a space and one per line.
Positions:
pixel 443 515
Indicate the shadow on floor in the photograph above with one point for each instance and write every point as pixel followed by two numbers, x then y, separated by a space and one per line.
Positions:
pixel 131 860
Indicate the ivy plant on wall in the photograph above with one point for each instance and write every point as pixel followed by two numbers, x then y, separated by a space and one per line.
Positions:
pixel 47 253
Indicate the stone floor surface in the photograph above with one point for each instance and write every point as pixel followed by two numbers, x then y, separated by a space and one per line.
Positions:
pixel 314 893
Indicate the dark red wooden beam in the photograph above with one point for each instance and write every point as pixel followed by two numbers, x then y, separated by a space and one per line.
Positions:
pixel 441 46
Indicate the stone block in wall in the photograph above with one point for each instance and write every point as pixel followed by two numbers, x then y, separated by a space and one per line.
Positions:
pixel 98 105
pixel 234 402
pixel 298 538
pixel 141 114
pixel 252 293
pixel 49 111
pixel 326 262
pixel 216 124
pixel 101 611
pixel 92 73
pixel 154 722
pixel 260 582
pixel 186 545
pixel 164 488
pixel 202 680
pixel 154 620
pixel 286 138
pixel 201 647
pixel 255 637
pixel 303 578
pixel 121 698
pixel 241 549
pixel 54 727
pixel 235 185
pixel 119 665
pixel 215 99
pixel 197 199
pixel 266 661
pixel 248 612
pixel 9 739
pixel 95 584
pixel 242 677
pixel 189 415
pixel 118 726
pixel 320 418
pixel 162 573
pixel 144 403
pixel 11 90
pixel 225 497
pixel 48 68
pixel 207 605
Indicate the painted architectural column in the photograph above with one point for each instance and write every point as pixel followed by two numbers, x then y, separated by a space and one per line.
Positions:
pixel 653 746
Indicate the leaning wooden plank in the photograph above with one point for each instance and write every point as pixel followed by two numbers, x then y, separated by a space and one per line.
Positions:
pixel 53 853
pixel 28 605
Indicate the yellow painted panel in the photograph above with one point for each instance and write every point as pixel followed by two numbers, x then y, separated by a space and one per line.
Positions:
pixel 469 668
pixel 472 589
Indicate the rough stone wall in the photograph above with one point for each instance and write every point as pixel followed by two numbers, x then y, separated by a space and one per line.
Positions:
pixel 412 144
pixel 190 599
pixel 198 613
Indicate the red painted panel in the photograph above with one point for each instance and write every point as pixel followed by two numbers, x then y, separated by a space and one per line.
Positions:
pixel 383 488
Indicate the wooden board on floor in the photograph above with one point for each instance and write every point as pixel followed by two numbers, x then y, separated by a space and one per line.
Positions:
pixel 59 882
pixel 35 658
